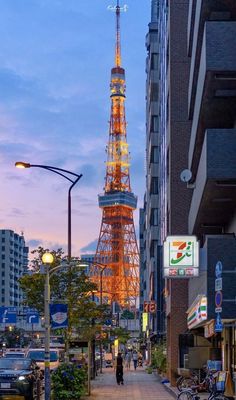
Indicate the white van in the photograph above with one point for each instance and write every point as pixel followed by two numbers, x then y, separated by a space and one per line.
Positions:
pixel 38 356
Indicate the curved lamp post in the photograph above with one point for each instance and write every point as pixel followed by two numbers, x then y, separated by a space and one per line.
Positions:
pixel 70 176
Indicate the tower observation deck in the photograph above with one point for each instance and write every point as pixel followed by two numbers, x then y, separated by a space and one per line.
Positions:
pixel 117 245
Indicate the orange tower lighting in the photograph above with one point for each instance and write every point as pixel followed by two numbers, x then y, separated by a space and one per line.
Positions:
pixel 117 245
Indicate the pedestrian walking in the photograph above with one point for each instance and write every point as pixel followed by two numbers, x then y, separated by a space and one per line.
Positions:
pixel 128 359
pixel 119 370
pixel 135 359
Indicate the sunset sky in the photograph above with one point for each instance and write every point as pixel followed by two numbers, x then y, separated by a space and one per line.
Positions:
pixel 55 62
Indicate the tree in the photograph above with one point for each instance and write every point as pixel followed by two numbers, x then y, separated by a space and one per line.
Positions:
pixel 69 285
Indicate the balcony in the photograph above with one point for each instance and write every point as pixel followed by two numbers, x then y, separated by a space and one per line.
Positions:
pixel 215 104
pixel 214 197
pixel 201 11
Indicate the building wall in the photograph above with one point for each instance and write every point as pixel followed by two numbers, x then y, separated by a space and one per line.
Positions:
pixel 175 132
pixel 150 272
pixel 13 264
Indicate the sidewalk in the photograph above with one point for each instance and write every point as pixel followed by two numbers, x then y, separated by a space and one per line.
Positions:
pixel 138 385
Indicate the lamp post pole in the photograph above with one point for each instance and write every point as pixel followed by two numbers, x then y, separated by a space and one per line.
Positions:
pixel 102 269
pixel 47 335
pixel 70 176
pixel 47 259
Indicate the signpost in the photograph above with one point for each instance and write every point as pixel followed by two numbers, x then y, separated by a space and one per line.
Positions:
pixel 218 296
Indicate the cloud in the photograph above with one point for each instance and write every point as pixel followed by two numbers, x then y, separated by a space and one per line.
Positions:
pixel 34 243
pixel 90 247
pixel 17 212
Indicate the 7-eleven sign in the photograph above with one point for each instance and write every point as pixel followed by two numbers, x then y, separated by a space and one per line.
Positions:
pixel 181 257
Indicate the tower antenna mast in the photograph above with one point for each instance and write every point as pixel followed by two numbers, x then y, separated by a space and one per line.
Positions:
pixel 117 244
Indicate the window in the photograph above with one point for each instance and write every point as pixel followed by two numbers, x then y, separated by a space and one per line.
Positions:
pixel 154 61
pixel 152 248
pixel 154 185
pixel 154 92
pixel 3 265
pixel 3 282
pixel 3 256
pixel 154 123
pixel 3 248
pixel 154 216
pixel 154 154
pixel 3 291
pixel 3 273
pixel 3 240
pixel 3 299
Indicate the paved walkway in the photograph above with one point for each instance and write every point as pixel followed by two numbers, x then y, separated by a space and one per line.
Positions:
pixel 138 385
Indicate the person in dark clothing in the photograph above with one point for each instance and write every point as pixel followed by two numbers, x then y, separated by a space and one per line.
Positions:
pixel 119 369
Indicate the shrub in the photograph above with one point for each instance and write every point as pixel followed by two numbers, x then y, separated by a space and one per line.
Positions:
pixel 159 357
pixel 69 382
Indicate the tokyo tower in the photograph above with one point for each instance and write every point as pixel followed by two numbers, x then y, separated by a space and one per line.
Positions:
pixel 117 244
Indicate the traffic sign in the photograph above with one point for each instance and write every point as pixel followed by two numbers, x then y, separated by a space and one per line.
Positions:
pixel 8 315
pixel 218 269
pixel 218 324
pixel 218 284
pixel 218 309
pixel 32 318
pixel 218 299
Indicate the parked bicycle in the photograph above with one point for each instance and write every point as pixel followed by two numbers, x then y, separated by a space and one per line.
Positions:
pixel 192 394
pixel 217 388
pixel 192 379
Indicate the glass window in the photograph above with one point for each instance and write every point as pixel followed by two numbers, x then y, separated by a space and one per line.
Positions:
pixel 3 240
pixel 154 123
pixel 154 185
pixel 154 154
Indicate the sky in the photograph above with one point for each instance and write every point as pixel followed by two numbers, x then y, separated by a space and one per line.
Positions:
pixel 55 63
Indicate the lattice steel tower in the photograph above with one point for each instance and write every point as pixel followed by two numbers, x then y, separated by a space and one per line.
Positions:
pixel 117 245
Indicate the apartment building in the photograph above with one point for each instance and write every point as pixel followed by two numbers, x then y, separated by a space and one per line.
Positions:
pixel 13 264
pixel 150 265
pixel 212 162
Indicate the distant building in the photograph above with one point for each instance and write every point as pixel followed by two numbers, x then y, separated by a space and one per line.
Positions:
pixel 90 259
pixel 13 264
pixel 151 282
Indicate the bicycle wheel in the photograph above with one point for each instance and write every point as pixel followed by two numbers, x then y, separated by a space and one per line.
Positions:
pixel 185 383
pixel 219 397
pixel 186 395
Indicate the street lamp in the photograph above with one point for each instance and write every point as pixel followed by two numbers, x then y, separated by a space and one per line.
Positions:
pixel 73 178
pixel 47 260
pixel 102 268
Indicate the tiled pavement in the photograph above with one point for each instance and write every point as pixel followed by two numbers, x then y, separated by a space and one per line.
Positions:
pixel 138 385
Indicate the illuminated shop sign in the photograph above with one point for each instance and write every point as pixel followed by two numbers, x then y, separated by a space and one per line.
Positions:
pixel 181 257
pixel 197 313
pixel 145 321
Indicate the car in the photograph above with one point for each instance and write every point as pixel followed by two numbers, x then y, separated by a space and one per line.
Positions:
pixel 14 354
pixel 19 376
pixel 37 355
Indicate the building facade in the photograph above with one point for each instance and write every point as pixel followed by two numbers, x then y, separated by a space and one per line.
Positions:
pixel 174 140
pixel 211 160
pixel 13 264
pixel 150 251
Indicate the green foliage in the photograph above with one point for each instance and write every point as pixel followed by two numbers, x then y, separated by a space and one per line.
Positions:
pixel 69 382
pixel 127 315
pixel 69 285
pixel 122 335
pixel 159 357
